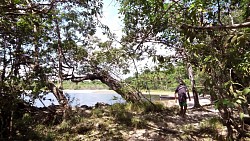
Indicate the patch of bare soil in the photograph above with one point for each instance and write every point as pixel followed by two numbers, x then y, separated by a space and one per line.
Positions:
pixel 168 125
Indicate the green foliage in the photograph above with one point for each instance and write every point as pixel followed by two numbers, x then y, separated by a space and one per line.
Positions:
pixel 212 125
pixel 125 113
pixel 97 113
pixel 144 107
pixel 88 85
pixel 203 35
pixel 138 123
pixel 30 41
pixel 246 91
pixel 160 80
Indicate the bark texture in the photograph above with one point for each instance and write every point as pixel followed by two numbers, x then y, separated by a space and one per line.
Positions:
pixel 195 94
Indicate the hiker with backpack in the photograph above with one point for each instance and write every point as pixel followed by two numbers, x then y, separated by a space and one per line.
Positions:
pixel 182 91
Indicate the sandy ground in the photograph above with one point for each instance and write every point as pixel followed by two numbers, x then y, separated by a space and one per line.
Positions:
pixel 202 100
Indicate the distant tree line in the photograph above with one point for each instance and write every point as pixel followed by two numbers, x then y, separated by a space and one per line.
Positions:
pixel 160 79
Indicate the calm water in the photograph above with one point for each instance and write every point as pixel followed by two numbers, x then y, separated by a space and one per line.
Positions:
pixel 84 97
pixel 89 98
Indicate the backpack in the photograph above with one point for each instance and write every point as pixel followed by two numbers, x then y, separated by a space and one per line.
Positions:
pixel 182 89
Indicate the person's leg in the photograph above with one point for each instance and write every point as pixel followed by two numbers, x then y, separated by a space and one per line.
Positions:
pixel 184 110
pixel 181 112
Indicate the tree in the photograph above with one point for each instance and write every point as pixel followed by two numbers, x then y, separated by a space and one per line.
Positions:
pixel 46 42
pixel 213 47
pixel 29 53
pixel 142 27
pixel 163 78
pixel 206 35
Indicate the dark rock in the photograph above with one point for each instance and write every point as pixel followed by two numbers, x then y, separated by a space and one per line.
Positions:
pixel 85 107
pixel 101 104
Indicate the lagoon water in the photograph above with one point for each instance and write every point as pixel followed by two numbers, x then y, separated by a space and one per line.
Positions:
pixel 91 97
pixel 84 97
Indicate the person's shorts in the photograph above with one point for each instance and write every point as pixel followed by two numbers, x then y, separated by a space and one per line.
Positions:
pixel 183 103
pixel 182 97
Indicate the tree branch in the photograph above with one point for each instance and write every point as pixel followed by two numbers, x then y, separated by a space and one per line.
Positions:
pixel 219 9
pixel 235 26
pixel 82 78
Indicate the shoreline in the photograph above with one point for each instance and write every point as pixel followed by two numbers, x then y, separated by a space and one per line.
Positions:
pixel 89 91
pixel 153 92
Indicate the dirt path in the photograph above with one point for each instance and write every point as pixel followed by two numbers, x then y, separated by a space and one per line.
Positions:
pixel 173 127
pixel 167 125
pixel 168 101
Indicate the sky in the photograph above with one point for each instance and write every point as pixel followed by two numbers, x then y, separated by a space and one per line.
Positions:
pixel 110 18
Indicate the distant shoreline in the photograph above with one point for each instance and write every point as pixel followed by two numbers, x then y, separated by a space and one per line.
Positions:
pixel 89 91
pixel 153 92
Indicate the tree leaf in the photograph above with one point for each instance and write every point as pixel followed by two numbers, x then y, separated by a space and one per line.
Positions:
pixel 225 101
pixel 241 115
pixel 234 39
pixel 238 101
pixel 246 91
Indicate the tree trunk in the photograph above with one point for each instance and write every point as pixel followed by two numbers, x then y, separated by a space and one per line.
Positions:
pixel 127 92
pixel 60 55
pixel 195 94
pixel 60 97
pixel 227 121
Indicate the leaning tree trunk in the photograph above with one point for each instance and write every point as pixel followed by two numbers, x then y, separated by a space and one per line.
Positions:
pixel 60 97
pixel 127 92
pixel 57 92
pixel 195 94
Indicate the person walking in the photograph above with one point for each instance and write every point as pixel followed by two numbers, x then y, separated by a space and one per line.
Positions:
pixel 182 91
